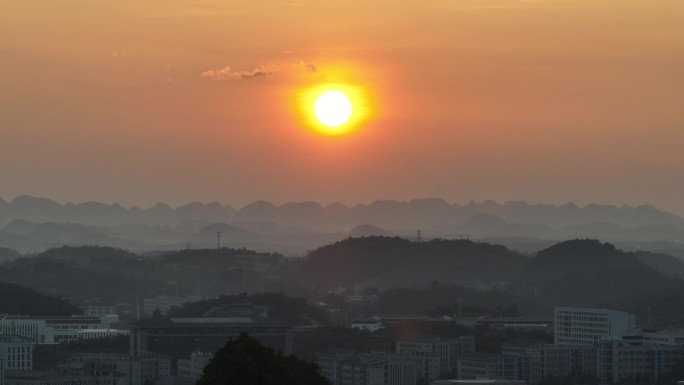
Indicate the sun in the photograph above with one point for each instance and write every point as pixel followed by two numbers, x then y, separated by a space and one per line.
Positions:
pixel 333 108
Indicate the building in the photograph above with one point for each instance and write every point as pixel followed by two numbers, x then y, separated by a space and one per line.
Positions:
pixel 400 370
pixel 475 366
pixel 191 369
pixel 378 369
pixel 363 369
pixel 179 337
pixel 116 369
pixel 104 369
pixel 598 342
pixel 163 303
pixel 477 382
pixel 560 360
pixel 620 360
pixel 329 364
pixel 587 326
pixel 52 330
pixel 381 321
pixel 24 377
pixel 370 324
pixel 16 352
pixel 537 359
pixel 528 355
pixel 97 310
pixel 25 327
pixel 65 329
pixel 89 334
pixel 435 356
pixel 655 338
pixel 519 323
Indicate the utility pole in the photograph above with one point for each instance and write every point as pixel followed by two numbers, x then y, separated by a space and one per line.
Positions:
pixel 218 240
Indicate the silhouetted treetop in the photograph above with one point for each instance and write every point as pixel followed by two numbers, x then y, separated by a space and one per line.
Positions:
pixel 245 361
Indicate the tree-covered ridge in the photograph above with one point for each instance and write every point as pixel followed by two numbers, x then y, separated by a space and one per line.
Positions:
pixel 408 277
pixel 15 299
pixel 439 299
pixel 579 272
pixel 275 305
pixel 394 262
pixel 8 254
pixel 81 273
pixel 579 255
pixel 590 273
pixel 663 263
pixel 245 361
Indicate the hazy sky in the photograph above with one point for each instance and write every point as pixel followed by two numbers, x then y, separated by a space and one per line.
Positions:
pixel 544 101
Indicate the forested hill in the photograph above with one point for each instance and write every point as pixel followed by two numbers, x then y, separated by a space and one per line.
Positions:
pixel 571 273
pixel 397 262
pixel 579 256
pixel 111 274
pixel 8 254
pixel 15 299
pixel 591 273
pixel 579 272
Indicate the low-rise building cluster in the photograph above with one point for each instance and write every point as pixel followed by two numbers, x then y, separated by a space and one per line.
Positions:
pixel 416 357
pixel 602 343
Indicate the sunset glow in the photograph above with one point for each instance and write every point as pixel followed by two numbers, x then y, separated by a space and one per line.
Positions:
pixel 467 99
pixel 334 109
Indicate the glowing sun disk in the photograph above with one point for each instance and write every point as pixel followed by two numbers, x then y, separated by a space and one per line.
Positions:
pixel 333 108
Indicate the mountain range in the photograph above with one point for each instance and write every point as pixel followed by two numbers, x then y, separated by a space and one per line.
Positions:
pixel 30 224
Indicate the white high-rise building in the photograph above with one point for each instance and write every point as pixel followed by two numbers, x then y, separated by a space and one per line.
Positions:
pixel 588 326
pixel 16 352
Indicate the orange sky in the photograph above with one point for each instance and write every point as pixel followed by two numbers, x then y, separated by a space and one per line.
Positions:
pixel 544 101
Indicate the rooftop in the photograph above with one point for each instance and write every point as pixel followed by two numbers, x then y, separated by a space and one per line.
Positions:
pixel 166 322
pixel 524 342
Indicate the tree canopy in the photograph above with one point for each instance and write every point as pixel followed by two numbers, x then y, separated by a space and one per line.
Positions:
pixel 245 361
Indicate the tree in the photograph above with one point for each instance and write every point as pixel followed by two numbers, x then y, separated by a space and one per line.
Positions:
pixel 245 361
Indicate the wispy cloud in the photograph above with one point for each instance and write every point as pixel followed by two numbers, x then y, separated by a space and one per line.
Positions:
pixel 304 66
pixel 268 71
pixel 120 55
pixel 227 73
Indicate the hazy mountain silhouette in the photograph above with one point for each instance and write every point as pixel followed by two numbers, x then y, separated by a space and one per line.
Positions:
pixel 483 225
pixel 367 231
pixel 299 226
pixel 95 213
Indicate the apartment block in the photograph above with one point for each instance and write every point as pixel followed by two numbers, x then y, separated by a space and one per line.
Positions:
pixel 435 356
pixel 587 326
pixel 475 366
